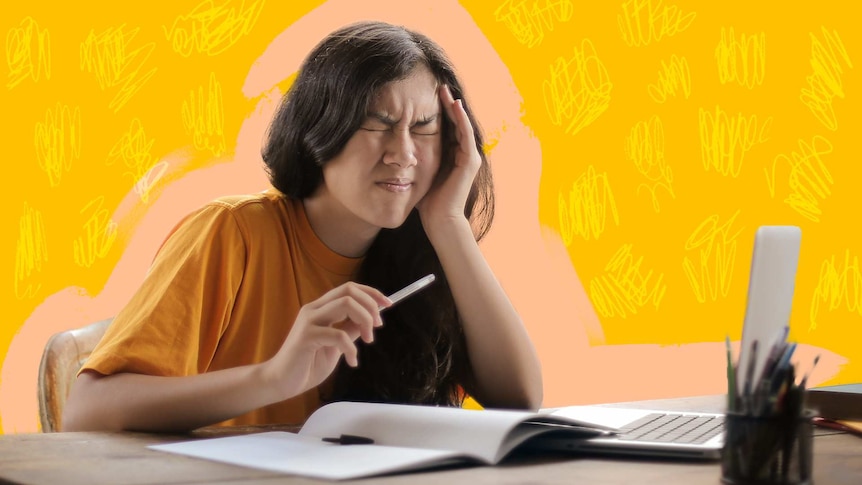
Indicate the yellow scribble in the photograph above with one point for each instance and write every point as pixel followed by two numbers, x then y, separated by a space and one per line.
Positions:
pixel 743 60
pixel 673 76
pixel 836 287
pixel 30 252
pixel 646 21
pixel 809 179
pixel 203 117
pixel 585 212
pixel 28 52
pixel 110 57
pixel 724 140
pixel 624 289
pixel 527 20
pixel 579 96
pixel 210 29
pixel 645 147
pixel 58 141
pixel 716 250
pixel 100 231
pixel 825 83
pixel 133 149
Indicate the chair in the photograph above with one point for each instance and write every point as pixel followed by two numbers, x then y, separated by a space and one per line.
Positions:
pixel 63 356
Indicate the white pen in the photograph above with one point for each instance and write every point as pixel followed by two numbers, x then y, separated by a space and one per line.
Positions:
pixel 409 290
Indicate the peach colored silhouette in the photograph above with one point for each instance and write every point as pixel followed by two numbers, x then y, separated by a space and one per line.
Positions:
pixel 530 260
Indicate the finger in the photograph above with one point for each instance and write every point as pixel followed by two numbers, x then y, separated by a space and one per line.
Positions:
pixel 369 297
pixel 458 114
pixel 330 337
pixel 348 310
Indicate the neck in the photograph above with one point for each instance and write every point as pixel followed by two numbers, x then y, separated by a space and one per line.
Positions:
pixel 340 230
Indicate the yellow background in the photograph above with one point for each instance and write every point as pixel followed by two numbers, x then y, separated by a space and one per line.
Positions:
pixel 669 130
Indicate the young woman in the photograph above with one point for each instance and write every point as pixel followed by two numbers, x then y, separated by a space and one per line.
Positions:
pixel 259 308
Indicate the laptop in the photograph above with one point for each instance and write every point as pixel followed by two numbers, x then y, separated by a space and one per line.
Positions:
pixel 673 434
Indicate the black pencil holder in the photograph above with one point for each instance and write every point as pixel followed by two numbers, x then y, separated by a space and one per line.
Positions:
pixel 767 450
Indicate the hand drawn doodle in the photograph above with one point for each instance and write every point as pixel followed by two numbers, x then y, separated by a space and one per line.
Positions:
pixel 724 140
pixel 578 96
pixel 716 249
pixel 837 286
pixel 110 57
pixel 742 60
pixel 825 83
pixel 100 231
pixel 672 77
pixel 645 147
pixel 645 21
pixel 528 19
pixel 58 141
pixel 31 251
pixel 28 53
pixel 133 149
pixel 809 178
pixel 203 117
pixel 211 29
pixel 624 289
pixel 585 212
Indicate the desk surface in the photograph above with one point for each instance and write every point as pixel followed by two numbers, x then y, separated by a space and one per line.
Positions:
pixel 110 458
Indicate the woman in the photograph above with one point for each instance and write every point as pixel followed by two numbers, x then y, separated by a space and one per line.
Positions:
pixel 379 178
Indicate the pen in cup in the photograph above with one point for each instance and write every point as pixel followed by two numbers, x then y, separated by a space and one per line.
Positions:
pixel 409 290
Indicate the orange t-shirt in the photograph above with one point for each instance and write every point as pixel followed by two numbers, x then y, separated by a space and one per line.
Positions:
pixel 223 291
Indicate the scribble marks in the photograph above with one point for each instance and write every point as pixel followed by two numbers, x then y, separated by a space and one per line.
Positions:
pixel 203 117
pixel 28 52
pixel 58 141
pixel 673 77
pixel 99 233
pixel 578 90
pixel 809 179
pixel 645 147
pixel 645 21
pixel 838 285
pixel 741 60
pixel 211 29
pixel 133 150
pixel 113 59
pixel 824 83
pixel 726 139
pixel 710 271
pixel 527 20
pixel 31 251
pixel 624 288
pixel 585 210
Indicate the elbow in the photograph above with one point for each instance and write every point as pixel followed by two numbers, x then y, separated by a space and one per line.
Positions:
pixel 81 410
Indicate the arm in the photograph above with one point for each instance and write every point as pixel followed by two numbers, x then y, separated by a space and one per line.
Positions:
pixel 324 330
pixel 505 364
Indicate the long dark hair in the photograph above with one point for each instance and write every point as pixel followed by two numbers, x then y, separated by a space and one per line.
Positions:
pixel 420 354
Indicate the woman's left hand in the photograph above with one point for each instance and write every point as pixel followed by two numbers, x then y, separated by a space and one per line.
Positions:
pixel 445 201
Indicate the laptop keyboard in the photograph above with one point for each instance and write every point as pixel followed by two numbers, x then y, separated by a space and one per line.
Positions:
pixel 673 428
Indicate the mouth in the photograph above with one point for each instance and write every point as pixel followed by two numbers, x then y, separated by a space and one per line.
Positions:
pixel 395 185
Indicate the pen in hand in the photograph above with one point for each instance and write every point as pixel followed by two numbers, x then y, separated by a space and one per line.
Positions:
pixel 409 290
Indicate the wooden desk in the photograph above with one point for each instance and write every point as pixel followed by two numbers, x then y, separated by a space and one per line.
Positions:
pixel 111 458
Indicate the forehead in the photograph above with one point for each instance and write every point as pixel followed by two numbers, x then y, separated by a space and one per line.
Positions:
pixel 416 92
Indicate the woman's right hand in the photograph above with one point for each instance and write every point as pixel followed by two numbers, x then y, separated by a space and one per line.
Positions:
pixel 324 330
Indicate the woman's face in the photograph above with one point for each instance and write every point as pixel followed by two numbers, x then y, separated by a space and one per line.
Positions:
pixel 389 164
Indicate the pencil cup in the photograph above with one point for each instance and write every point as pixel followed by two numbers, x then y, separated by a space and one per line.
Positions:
pixel 767 450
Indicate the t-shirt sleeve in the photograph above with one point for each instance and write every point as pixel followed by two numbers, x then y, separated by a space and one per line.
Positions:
pixel 173 323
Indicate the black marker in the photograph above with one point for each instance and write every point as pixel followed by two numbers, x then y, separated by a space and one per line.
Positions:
pixel 350 439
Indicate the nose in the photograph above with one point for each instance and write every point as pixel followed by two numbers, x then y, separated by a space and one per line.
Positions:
pixel 400 150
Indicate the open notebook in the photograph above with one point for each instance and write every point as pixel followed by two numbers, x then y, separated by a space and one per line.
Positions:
pixel 700 435
pixel 400 438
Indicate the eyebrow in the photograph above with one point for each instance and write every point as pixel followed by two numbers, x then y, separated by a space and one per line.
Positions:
pixel 388 121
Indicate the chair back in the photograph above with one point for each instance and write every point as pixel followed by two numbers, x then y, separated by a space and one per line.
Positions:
pixel 63 357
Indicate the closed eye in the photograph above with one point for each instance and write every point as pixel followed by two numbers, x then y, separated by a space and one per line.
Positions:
pixel 426 126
